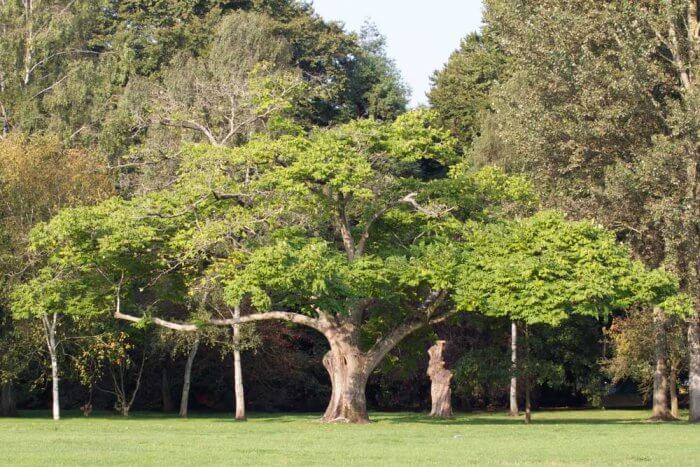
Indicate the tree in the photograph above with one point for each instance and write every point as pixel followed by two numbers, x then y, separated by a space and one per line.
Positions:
pixel 342 231
pixel 459 92
pixel 39 177
pixel 290 224
pixel 542 270
pixel 634 355
pixel 600 103
pixel 513 396
pixel 375 84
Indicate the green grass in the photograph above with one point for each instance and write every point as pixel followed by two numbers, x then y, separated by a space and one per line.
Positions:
pixel 555 438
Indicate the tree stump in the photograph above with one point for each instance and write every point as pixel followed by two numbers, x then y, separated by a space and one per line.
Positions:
pixel 440 378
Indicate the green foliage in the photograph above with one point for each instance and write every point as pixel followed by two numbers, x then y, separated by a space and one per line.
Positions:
pixel 460 90
pixel 544 269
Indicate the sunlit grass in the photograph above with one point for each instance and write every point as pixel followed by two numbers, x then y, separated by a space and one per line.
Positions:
pixel 555 437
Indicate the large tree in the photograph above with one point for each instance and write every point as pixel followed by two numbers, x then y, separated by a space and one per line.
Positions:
pixel 342 231
pixel 601 106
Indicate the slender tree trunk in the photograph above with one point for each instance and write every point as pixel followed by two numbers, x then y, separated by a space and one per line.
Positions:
pixel 528 380
pixel 440 377
pixel 660 400
pixel 7 400
pixel 28 40
pixel 52 346
pixel 237 370
pixel 694 368
pixel 185 398
pixel 165 391
pixel 673 391
pixel 55 402
pixel 514 411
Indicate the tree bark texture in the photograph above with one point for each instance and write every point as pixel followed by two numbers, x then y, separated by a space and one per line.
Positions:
pixel 185 397
pixel 660 410
pixel 52 346
pixel 514 411
pixel 346 366
pixel 237 371
pixel 694 368
pixel 673 392
pixel 440 378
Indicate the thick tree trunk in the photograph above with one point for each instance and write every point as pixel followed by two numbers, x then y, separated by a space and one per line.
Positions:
pixel 694 368
pixel 7 400
pixel 185 397
pixel 440 377
pixel 237 371
pixel 660 400
pixel 165 391
pixel 346 366
pixel 673 391
pixel 514 411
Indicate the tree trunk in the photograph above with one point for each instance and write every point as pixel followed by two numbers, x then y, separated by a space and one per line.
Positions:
pixel 237 371
pixel 514 412
pixel 528 381
pixel 55 403
pixel 440 392
pixel 346 366
pixel 528 404
pixel 165 391
pixel 7 400
pixel 185 397
pixel 660 400
pixel 694 368
pixel 52 346
pixel 673 391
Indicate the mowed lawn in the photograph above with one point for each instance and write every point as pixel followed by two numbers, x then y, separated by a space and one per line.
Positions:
pixel 555 438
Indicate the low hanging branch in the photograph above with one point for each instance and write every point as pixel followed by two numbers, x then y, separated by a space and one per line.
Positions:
pixel 190 327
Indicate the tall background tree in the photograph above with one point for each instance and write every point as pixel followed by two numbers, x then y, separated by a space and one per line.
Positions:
pixel 599 105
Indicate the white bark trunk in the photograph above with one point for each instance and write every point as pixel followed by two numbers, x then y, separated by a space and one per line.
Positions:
pixel 55 405
pixel 52 346
pixel 237 371
pixel 514 411
pixel 185 398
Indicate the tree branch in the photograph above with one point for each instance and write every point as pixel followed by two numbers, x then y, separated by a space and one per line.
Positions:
pixel 192 126
pixel 384 345
pixel 190 327
pixel 408 199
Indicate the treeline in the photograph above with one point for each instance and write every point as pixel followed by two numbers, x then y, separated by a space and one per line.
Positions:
pixel 227 203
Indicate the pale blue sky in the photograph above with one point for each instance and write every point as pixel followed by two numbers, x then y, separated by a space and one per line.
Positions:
pixel 420 34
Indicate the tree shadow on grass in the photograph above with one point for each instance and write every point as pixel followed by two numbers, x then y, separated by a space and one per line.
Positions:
pixel 548 417
pixel 481 419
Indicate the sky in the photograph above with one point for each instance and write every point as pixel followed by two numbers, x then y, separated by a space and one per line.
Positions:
pixel 420 34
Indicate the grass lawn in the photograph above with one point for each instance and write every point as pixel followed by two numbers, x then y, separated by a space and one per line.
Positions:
pixel 556 437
